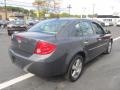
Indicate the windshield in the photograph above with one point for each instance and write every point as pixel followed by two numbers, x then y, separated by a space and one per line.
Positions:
pixel 49 26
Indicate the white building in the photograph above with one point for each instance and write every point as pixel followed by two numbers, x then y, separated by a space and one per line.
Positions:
pixel 109 20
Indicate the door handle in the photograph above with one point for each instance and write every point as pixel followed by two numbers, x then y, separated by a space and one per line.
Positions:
pixel 99 39
pixel 86 42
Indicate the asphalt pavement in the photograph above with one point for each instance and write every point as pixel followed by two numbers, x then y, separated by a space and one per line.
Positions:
pixel 103 73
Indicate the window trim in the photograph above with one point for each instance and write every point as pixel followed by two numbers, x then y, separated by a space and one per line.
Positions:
pixel 90 25
pixel 99 26
pixel 89 22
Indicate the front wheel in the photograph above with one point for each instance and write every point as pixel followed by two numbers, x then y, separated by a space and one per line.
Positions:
pixel 75 69
pixel 109 48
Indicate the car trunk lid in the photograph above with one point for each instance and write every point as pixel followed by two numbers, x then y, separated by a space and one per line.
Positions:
pixel 27 41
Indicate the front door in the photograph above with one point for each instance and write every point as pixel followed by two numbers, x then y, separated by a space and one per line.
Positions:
pixel 103 38
pixel 89 39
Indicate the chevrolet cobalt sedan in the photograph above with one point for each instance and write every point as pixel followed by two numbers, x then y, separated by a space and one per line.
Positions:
pixel 59 47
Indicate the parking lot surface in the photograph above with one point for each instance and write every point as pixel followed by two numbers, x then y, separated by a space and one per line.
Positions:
pixel 103 73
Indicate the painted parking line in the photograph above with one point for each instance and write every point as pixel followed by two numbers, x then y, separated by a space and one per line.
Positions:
pixel 116 39
pixel 15 80
pixel 24 77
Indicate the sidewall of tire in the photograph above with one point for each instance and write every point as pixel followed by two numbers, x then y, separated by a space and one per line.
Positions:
pixel 68 74
pixel 106 52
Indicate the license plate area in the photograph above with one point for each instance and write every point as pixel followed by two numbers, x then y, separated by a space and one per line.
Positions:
pixel 20 62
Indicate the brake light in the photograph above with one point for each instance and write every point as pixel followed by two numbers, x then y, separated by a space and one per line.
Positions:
pixel 43 48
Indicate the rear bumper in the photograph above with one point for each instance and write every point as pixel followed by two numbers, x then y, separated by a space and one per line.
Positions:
pixel 17 29
pixel 11 31
pixel 118 25
pixel 44 68
pixel 107 24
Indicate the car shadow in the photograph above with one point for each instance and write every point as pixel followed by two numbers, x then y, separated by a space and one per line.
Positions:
pixel 94 61
pixel 57 79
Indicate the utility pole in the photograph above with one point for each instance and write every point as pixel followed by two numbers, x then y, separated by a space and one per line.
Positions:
pixel 112 8
pixel 69 8
pixel 84 12
pixel 93 10
pixel 38 11
pixel 5 9
pixel 54 6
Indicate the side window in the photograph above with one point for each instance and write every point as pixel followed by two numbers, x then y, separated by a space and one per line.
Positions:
pixel 97 28
pixel 78 31
pixel 86 28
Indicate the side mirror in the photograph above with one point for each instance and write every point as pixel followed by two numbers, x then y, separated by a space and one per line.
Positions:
pixel 107 31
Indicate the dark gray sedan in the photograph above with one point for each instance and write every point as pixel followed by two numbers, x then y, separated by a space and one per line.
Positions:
pixel 59 47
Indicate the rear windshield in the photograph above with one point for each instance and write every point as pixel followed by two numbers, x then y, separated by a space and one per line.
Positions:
pixel 49 26
pixel 17 22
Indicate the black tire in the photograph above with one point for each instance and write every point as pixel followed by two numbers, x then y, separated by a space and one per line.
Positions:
pixel 9 34
pixel 109 48
pixel 69 75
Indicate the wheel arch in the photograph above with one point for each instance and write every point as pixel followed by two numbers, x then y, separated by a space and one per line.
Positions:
pixel 69 60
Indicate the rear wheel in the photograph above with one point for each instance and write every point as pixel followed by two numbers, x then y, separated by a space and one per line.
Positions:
pixel 109 48
pixel 75 69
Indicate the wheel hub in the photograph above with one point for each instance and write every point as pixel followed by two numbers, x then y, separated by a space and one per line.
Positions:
pixel 76 68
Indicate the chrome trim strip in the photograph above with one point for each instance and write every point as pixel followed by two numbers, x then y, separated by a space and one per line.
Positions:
pixel 98 46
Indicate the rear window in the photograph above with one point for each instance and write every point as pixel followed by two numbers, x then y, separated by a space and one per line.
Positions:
pixel 17 22
pixel 49 26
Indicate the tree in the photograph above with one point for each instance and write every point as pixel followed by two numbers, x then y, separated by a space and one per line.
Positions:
pixel 16 9
pixel 26 12
pixel 47 6
pixel 39 4
pixel 92 16
pixel 67 15
pixel 32 14
pixel 64 15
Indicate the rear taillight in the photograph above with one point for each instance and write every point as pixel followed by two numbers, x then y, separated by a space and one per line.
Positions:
pixel 43 48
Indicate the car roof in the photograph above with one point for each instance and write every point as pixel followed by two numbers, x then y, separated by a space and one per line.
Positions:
pixel 74 19
pixel 79 19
